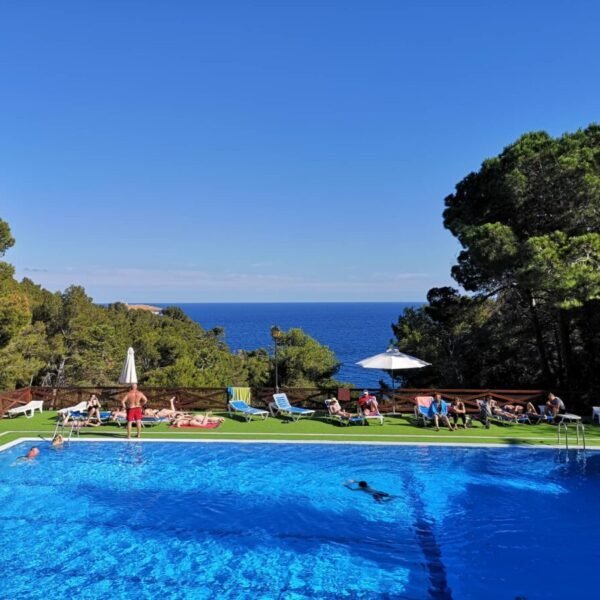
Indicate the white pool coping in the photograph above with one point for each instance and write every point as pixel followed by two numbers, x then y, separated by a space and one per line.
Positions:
pixel 287 441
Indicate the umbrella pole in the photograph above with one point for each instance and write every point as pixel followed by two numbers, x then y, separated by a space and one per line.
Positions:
pixel 393 394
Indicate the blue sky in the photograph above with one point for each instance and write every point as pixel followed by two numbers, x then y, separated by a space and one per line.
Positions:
pixel 268 151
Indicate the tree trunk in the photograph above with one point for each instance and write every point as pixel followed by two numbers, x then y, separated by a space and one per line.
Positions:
pixel 547 375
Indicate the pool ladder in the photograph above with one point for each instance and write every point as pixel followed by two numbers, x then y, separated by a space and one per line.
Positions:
pixel 579 430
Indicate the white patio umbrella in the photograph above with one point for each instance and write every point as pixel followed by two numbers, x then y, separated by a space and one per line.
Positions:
pixel 128 374
pixel 392 360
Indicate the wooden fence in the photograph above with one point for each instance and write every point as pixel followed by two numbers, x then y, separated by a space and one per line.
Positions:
pixel 201 399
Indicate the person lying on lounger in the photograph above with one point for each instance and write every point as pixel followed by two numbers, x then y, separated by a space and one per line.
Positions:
pixel 502 412
pixel 165 413
pixel 81 421
pixel 93 408
pixel 336 409
pixel 513 409
pixel 363 486
pixel 195 420
pixel 115 415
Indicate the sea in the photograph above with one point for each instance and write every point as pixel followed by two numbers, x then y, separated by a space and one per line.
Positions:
pixel 353 330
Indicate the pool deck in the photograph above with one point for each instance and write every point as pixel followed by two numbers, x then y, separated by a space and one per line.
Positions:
pixel 395 430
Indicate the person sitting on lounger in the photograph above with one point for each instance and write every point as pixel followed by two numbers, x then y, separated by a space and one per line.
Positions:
pixel 165 413
pixel 336 409
pixel 363 486
pixel 438 410
pixel 554 405
pixel 486 411
pixel 93 408
pixel 458 411
pixel 196 420
pixel 368 404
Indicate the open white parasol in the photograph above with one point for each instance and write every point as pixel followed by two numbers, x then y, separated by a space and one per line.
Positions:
pixel 392 360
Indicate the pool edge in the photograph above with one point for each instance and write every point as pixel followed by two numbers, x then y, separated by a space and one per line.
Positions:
pixel 19 440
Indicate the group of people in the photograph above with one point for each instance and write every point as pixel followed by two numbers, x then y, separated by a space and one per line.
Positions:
pixel 134 408
pixel 442 411
pixel 367 405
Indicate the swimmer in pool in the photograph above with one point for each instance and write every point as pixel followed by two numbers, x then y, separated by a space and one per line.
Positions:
pixel 363 486
pixel 33 452
pixel 57 441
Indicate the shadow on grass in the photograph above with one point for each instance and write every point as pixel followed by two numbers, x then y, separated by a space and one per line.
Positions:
pixel 519 442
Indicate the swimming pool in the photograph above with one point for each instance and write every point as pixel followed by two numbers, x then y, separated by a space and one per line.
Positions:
pixel 227 520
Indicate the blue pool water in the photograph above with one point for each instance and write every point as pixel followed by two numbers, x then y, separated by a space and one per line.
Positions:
pixel 224 520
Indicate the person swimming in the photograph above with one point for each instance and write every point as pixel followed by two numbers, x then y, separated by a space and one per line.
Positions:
pixel 33 452
pixel 363 486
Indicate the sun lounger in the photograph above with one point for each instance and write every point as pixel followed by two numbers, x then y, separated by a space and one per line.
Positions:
pixel 422 410
pixel 500 419
pixel 81 407
pixel 372 417
pixel 239 406
pixel 27 409
pixel 285 409
pixel 340 418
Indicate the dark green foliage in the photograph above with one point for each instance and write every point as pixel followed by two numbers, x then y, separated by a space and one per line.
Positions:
pixel 529 225
pixel 66 339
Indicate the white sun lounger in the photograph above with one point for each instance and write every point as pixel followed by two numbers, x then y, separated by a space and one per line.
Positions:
pixel 287 410
pixel 27 409
pixel 81 407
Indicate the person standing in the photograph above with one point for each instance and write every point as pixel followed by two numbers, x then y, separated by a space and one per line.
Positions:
pixel 133 403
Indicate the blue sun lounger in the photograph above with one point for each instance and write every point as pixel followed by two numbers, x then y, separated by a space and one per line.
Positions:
pixel 287 410
pixel 239 406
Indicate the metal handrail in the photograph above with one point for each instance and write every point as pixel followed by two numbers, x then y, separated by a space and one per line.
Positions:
pixel 558 429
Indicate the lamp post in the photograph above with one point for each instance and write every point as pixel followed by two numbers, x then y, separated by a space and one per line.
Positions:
pixel 276 334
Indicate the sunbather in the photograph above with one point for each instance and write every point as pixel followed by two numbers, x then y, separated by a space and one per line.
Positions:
pixel 81 421
pixel 458 411
pixel 513 409
pixel 363 486
pixel 438 410
pixel 196 421
pixel 502 412
pixel 336 409
pixel 116 415
pixel 368 404
pixel 554 405
pixel 93 408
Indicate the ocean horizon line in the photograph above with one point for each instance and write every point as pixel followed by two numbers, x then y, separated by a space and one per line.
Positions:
pixel 177 302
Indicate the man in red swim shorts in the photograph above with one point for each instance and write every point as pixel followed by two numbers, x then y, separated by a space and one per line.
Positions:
pixel 133 402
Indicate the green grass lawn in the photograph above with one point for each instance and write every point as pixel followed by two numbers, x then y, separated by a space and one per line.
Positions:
pixel 395 429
